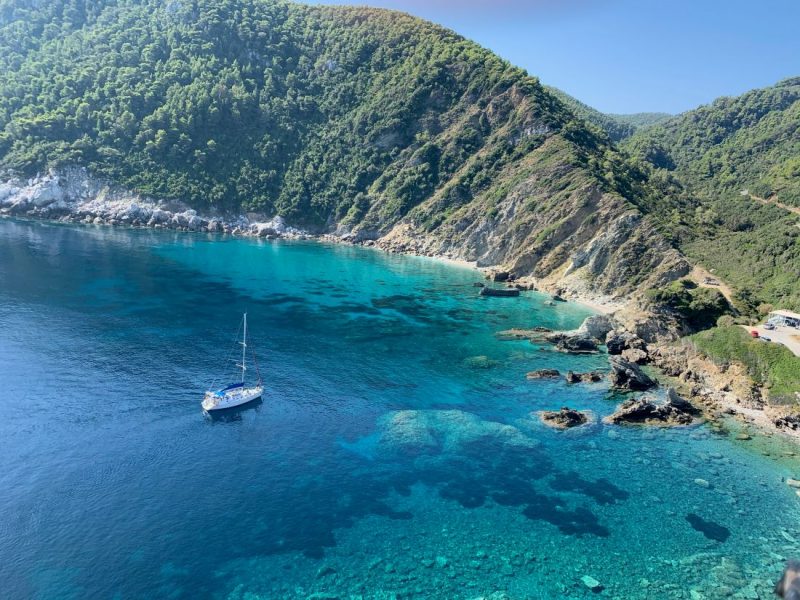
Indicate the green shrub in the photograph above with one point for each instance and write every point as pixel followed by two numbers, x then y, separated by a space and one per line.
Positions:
pixel 700 308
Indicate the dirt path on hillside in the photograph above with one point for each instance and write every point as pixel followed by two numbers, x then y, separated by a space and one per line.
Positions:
pixel 771 202
pixel 699 276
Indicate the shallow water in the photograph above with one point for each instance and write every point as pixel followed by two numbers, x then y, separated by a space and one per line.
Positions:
pixel 385 461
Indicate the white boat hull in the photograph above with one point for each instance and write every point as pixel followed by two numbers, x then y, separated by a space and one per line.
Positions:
pixel 231 399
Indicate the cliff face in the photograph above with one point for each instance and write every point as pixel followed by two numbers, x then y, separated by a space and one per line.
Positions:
pixel 545 218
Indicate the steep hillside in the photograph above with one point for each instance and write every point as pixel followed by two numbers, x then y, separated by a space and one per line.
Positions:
pixel 364 122
pixel 748 142
pixel 618 127
pixel 721 174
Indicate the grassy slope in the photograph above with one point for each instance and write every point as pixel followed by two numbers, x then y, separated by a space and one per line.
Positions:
pixel 771 365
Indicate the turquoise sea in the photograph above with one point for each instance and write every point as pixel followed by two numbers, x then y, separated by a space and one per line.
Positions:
pixel 396 453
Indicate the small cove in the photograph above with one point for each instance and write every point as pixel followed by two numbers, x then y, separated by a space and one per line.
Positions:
pixel 386 458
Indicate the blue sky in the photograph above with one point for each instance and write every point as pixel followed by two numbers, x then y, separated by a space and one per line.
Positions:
pixel 631 56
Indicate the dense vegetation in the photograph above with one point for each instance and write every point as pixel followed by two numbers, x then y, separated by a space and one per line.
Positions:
pixel 701 163
pixel 698 307
pixel 323 114
pixel 771 365
pixel 750 142
pixel 618 127
pixel 357 118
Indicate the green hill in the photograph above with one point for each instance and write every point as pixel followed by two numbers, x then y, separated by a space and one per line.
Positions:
pixel 706 166
pixel 618 127
pixel 338 118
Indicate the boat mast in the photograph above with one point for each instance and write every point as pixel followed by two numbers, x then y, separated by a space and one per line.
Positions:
pixel 244 346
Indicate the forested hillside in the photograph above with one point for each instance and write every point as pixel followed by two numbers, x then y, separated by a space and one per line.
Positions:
pixel 719 172
pixel 618 127
pixel 348 119
pixel 257 103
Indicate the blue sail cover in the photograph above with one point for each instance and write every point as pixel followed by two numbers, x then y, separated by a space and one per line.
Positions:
pixel 232 386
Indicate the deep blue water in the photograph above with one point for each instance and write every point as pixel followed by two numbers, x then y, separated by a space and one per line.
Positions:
pixel 385 461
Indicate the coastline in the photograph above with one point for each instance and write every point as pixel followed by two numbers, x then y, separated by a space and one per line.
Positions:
pixel 74 197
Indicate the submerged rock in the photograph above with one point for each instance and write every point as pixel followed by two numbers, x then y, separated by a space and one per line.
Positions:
pixel 432 432
pixel 564 418
pixel 533 334
pixel 325 570
pixel 626 375
pixel 710 529
pixel 592 583
pixel 544 374
pixel 480 362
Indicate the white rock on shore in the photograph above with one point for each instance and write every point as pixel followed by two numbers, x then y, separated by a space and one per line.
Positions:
pixel 73 195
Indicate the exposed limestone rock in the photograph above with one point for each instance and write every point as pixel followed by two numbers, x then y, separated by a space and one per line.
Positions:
pixel 577 345
pixel 596 326
pixel 576 341
pixel 788 422
pixel 639 319
pixel 71 194
pixel 676 401
pixel 628 376
pixel 647 411
pixel 618 342
pixel 671 360
pixel 584 242
pixel 500 276
pixel 590 377
pixel 564 418
pixel 635 355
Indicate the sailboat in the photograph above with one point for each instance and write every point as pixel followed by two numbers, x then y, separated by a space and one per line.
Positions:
pixel 235 394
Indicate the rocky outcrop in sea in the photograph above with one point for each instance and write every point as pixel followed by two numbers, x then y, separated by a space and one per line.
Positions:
pixel 674 410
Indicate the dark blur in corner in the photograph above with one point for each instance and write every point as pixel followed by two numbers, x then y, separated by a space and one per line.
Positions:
pixel 789 585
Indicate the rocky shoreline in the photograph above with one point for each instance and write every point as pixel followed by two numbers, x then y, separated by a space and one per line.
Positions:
pixel 73 196
pixel 631 335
